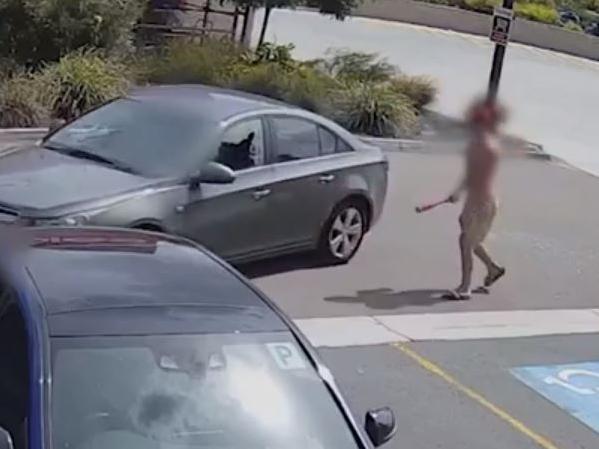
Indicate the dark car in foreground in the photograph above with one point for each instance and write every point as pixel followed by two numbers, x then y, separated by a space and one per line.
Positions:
pixel 245 176
pixel 122 339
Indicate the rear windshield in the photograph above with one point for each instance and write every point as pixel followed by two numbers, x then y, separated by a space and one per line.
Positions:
pixel 250 391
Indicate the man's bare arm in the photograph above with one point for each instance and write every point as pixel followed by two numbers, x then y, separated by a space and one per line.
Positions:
pixel 457 193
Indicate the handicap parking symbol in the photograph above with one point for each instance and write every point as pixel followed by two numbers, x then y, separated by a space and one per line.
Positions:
pixel 574 388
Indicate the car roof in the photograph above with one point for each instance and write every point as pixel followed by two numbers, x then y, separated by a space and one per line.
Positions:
pixel 91 279
pixel 219 104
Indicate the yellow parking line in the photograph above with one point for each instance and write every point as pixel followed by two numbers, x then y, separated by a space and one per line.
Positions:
pixel 435 369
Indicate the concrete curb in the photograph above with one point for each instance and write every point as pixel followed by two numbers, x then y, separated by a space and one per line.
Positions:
pixel 532 150
pixel 23 130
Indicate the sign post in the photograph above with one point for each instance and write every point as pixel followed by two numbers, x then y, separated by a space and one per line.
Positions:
pixel 503 19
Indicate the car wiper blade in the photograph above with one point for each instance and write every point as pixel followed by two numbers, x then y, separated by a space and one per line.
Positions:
pixel 83 154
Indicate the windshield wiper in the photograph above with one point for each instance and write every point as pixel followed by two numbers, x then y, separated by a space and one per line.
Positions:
pixel 87 155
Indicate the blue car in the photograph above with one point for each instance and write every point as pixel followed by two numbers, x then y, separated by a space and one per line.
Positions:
pixel 122 339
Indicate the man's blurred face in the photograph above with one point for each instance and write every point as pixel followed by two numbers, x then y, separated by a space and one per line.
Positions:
pixel 485 116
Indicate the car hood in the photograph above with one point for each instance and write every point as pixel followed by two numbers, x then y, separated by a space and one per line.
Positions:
pixel 34 181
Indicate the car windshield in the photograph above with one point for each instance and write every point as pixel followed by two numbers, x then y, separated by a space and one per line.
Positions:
pixel 253 391
pixel 138 136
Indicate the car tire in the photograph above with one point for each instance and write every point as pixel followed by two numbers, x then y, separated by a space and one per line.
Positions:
pixel 343 232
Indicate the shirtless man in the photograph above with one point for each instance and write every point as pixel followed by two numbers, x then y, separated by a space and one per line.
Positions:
pixel 480 207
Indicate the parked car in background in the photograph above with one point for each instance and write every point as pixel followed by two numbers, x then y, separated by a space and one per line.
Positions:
pixel 593 29
pixel 155 343
pixel 245 176
pixel 568 15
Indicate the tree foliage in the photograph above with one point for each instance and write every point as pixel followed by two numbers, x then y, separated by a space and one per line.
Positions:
pixel 34 31
pixel 339 9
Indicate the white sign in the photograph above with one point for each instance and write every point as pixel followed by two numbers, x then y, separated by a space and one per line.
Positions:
pixel 286 355
pixel 501 25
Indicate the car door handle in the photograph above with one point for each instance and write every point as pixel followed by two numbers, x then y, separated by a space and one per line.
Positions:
pixel 325 179
pixel 259 194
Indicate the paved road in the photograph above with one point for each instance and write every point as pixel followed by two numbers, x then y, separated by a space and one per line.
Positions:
pixel 553 97
pixel 460 394
pixel 489 408
pixel 546 236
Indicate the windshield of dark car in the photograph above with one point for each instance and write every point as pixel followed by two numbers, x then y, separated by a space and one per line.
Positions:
pixel 255 391
pixel 150 138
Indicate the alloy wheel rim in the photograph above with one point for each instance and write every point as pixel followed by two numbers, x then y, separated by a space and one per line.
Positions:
pixel 346 233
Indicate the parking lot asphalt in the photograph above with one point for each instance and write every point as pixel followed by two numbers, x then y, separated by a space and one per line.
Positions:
pixel 488 408
pixel 464 394
pixel 546 234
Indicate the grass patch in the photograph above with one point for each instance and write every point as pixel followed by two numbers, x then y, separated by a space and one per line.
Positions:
pixel 80 81
pixel 376 110
pixel 537 12
pixel 20 102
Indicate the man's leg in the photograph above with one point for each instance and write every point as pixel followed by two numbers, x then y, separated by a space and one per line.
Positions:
pixel 494 271
pixel 485 258
pixel 466 258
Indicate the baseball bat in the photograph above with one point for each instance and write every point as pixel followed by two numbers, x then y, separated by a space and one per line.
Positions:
pixel 427 207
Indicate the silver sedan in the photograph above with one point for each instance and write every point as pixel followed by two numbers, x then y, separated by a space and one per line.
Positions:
pixel 245 176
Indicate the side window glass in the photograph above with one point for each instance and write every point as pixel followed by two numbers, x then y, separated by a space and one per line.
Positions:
pixel 342 147
pixel 242 145
pixel 328 141
pixel 295 139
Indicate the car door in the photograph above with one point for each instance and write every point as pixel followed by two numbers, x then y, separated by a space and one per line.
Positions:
pixel 303 181
pixel 232 219
pixel 14 369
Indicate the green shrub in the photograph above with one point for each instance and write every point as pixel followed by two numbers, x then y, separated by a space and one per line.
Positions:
pixel 550 3
pixel 8 68
pixel 374 109
pixel 421 90
pixel 81 81
pixel 537 12
pixel 573 26
pixel 355 66
pixel 268 80
pixel 311 90
pixel 20 103
pixel 269 52
pixel 484 6
pixel 207 62
pixel 304 87
pixel 34 31
pixel 592 5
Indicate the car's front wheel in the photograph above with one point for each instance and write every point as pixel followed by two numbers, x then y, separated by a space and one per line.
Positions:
pixel 343 232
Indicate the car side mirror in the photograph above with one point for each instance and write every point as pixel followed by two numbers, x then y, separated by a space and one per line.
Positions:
pixel 213 173
pixel 5 439
pixel 55 124
pixel 380 425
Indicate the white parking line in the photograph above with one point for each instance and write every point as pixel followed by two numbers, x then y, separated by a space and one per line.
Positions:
pixel 371 330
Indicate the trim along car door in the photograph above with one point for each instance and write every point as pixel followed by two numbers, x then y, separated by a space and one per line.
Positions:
pixel 234 220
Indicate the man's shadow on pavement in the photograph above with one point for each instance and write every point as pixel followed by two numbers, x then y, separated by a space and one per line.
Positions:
pixel 388 299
